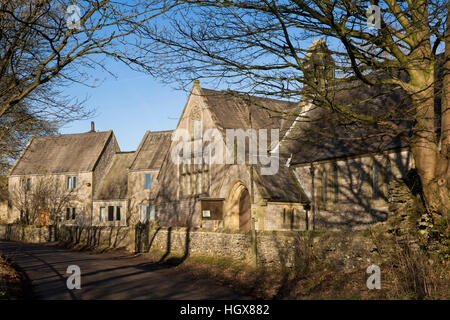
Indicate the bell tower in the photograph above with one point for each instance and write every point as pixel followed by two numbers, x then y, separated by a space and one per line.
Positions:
pixel 319 66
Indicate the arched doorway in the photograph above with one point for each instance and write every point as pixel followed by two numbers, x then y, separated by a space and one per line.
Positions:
pixel 244 210
pixel 237 207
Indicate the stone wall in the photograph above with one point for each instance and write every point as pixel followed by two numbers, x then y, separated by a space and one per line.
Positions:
pixel 284 217
pixel 29 234
pixel 93 237
pixel 344 251
pixel 351 203
pixel 97 237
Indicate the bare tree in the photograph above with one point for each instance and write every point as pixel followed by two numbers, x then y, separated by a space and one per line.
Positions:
pixel 44 200
pixel 46 45
pixel 259 47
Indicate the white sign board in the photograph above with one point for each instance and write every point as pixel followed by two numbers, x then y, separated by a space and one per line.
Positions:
pixel 206 214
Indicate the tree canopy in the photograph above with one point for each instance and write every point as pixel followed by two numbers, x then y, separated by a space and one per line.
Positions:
pixel 47 45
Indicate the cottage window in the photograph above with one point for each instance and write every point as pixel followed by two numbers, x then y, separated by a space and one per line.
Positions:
pixel 25 184
pixel 67 213
pixel 148 179
pixel 102 214
pixel 152 212
pixel 118 213
pixel 73 213
pixel 143 212
pixel 71 182
pixel 110 213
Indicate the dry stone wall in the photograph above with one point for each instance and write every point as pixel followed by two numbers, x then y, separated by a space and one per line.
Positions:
pixel 343 250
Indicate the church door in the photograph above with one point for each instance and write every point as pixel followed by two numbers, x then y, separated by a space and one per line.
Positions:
pixel 244 211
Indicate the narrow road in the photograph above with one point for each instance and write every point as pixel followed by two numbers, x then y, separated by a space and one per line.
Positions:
pixel 110 276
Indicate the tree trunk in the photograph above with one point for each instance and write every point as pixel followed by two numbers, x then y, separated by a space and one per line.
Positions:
pixel 444 166
pixel 431 163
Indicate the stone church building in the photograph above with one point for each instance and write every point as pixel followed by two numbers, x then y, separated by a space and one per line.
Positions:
pixel 322 182
pixel 319 182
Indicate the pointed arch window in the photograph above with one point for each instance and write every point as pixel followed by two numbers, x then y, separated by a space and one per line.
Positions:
pixel 324 187
pixel 388 174
pixel 196 123
pixel 375 185
pixel 336 182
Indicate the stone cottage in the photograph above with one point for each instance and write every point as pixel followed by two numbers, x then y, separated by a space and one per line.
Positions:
pixel 110 201
pixel 4 214
pixel 143 172
pixel 69 165
pixel 88 180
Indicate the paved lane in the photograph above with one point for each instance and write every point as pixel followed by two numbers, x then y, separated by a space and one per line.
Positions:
pixel 105 276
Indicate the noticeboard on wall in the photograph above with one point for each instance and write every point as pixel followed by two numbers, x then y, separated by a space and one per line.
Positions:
pixel 212 209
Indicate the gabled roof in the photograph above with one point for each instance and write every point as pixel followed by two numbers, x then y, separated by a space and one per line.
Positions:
pixel 281 186
pixel 231 110
pixel 115 183
pixel 61 153
pixel 151 151
pixel 322 135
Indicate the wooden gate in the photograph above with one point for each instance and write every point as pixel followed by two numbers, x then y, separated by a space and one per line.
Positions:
pixel 142 231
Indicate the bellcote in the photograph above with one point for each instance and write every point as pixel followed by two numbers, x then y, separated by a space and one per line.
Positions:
pixel 319 65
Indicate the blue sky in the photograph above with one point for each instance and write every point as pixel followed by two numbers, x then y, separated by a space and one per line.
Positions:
pixel 129 105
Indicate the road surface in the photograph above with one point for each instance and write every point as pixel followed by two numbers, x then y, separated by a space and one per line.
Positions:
pixel 105 276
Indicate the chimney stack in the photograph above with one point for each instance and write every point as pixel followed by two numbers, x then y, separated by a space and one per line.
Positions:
pixel 92 126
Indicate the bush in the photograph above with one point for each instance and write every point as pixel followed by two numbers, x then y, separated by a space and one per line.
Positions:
pixel 413 269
